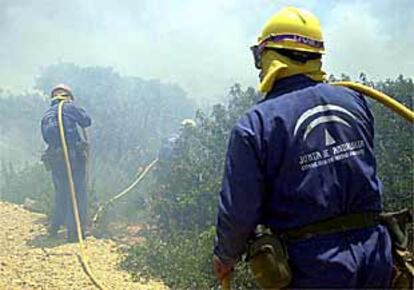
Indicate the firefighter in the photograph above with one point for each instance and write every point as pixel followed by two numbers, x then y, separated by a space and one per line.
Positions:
pixel 78 149
pixel 169 146
pixel 301 163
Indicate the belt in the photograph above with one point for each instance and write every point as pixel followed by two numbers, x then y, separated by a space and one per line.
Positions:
pixel 334 225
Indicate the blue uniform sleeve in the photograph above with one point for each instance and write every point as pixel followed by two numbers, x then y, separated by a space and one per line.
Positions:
pixel 242 192
pixel 79 114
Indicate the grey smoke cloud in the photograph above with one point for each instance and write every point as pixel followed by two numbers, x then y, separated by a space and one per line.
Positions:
pixel 375 37
pixel 201 45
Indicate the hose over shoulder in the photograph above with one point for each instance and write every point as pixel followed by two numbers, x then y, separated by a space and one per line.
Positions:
pixel 82 253
pixel 384 99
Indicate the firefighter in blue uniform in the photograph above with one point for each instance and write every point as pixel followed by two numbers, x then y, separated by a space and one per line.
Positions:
pixel 73 116
pixel 301 163
pixel 171 149
pixel 169 146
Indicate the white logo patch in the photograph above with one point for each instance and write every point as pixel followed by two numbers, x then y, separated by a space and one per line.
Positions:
pixel 331 152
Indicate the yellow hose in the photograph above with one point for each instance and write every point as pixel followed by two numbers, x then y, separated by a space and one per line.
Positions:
pixel 225 284
pixel 83 255
pixel 124 192
pixel 387 101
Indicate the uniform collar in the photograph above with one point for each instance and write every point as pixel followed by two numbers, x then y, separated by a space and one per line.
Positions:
pixel 289 84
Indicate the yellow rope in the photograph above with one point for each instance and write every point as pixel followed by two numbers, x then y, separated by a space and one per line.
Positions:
pixel 125 191
pixel 389 102
pixel 83 255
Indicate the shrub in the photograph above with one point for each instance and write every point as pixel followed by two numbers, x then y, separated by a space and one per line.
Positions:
pixel 32 182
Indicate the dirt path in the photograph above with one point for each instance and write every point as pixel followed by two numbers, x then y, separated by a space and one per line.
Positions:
pixel 29 260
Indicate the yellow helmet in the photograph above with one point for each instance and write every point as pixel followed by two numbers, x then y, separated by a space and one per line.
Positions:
pixel 293 29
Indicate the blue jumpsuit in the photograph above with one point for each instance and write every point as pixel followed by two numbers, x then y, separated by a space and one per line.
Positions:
pixel 303 155
pixel 168 148
pixel 73 116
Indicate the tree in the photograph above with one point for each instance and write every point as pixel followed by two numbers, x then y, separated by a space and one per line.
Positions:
pixel 395 145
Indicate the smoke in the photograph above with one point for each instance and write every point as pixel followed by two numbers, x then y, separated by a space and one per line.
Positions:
pixel 201 45
pixel 375 37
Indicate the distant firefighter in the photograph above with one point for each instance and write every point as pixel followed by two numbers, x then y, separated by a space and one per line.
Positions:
pixel 78 149
pixel 170 146
pixel 171 149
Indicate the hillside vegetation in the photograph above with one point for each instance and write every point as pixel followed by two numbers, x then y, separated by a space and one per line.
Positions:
pixel 178 201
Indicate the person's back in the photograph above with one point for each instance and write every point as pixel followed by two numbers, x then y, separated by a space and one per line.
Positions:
pixel 314 153
pixel 301 163
pixel 73 116
pixel 317 152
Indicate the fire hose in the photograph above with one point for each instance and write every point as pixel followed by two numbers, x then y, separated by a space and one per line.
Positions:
pixel 387 101
pixel 384 99
pixel 141 176
pixel 82 249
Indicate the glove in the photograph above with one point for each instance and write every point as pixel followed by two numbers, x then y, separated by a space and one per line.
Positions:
pixel 221 270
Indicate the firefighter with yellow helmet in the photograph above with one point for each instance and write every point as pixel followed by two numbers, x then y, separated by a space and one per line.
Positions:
pixel 300 164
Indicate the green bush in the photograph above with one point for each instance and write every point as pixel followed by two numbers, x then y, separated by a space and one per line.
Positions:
pixel 31 184
pixel 180 260
pixel 183 204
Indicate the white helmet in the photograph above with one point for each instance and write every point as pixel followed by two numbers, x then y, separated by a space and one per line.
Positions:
pixel 188 123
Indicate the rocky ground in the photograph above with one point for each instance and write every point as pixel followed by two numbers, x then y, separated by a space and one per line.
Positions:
pixel 31 260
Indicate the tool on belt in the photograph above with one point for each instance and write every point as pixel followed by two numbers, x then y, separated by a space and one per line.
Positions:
pixel 50 156
pixel 267 252
pixel 269 261
pixel 398 224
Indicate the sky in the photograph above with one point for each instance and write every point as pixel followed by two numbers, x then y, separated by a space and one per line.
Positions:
pixel 203 46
